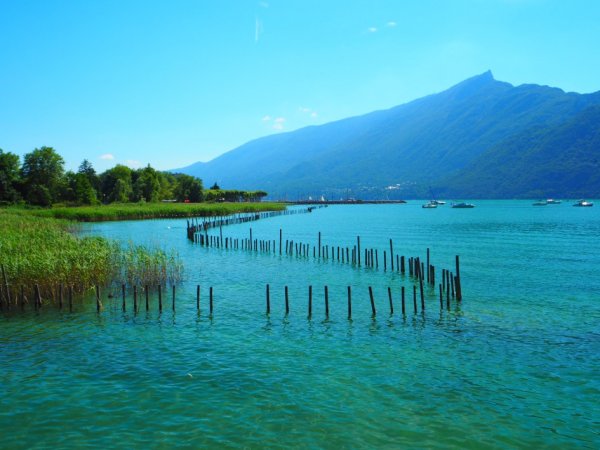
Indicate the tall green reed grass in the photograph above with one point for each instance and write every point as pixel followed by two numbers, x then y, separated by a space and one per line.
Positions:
pixel 48 252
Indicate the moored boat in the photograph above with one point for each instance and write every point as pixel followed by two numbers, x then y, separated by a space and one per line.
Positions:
pixel 551 201
pixel 541 203
pixel 463 205
pixel 429 205
pixel 583 203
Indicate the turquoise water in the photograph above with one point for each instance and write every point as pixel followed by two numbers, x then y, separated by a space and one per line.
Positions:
pixel 514 366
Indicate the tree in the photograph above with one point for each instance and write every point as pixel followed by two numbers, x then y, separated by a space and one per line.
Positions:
pixel 9 177
pixel 87 169
pixel 215 187
pixel 78 189
pixel 42 173
pixel 188 188
pixel 116 184
pixel 146 186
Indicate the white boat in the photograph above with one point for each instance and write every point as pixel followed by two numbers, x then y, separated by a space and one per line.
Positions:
pixel 463 205
pixel 551 201
pixel 541 203
pixel 429 205
pixel 583 203
pixel 438 202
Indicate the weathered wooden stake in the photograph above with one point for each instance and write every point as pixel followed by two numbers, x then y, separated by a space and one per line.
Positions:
pixel 391 302
pixel 268 301
pixel 173 298
pixel 457 281
pixel 372 301
pixel 309 301
pixel 287 302
pixel 349 303
pixel 147 294
pixel 211 300
pixel 98 302
pixel 326 302
pixel 159 298
pixel 441 298
pixel 415 297
pixel 198 298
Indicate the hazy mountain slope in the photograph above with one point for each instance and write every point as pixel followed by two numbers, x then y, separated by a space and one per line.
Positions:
pixel 540 162
pixel 414 145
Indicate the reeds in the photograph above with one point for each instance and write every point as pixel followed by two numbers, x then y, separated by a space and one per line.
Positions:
pixel 45 252
pixel 136 211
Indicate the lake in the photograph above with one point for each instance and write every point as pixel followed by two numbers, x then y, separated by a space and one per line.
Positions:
pixel 515 364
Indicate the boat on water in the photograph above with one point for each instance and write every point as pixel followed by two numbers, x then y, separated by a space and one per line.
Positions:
pixel 583 203
pixel 551 201
pixel 429 205
pixel 463 205
pixel 541 203
pixel 438 202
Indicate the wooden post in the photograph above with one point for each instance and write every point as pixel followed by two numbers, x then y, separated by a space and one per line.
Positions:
pixel 458 285
pixel 147 293
pixel 198 298
pixel 211 300
pixel 319 245
pixel 402 268
pixel 60 295
pixel 326 302
pixel 372 301
pixel 268 301
pixel 422 295
pixel 287 302
pixel 441 298
pixel 159 298
pixel 384 261
pixel 280 239
pixel 173 298
pixel 391 256
pixel 358 247
pixel 349 303
pixel 391 302
pixel 309 301
pixel 98 302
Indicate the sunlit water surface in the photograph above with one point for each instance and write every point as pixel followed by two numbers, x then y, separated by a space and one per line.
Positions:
pixel 514 366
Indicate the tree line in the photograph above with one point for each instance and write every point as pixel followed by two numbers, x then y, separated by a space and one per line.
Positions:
pixel 42 180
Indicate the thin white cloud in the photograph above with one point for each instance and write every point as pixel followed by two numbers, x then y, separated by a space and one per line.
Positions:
pixel 133 163
pixel 258 29
pixel 391 24
pixel 313 114
pixel 266 118
pixel 372 29
pixel 107 156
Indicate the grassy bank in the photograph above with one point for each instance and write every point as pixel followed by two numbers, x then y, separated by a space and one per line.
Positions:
pixel 135 211
pixel 45 251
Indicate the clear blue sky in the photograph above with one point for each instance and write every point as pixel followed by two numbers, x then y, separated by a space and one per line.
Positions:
pixel 174 82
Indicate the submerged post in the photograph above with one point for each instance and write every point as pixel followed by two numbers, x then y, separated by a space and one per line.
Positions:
pixel 268 301
pixel 309 301
pixel 287 303
pixel 326 302
pixel 211 300
pixel 349 303
pixel 458 285
pixel 198 298
pixel 391 302
pixel 123 306
pixel 372 301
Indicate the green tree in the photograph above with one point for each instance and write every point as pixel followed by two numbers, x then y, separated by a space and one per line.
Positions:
pixel 88 170
pixel 116 184
pixel 9 177
pixel 42 174
pixel 146 186
pixel 188 188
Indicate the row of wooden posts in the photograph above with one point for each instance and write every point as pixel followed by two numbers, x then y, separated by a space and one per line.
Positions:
pixel 344 255
pixel 202 225
pixel 141 296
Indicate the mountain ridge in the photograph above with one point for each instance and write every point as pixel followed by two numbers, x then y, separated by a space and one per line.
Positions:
pixel 400 151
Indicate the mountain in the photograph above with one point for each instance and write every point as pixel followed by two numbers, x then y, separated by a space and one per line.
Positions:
pixel 480 138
